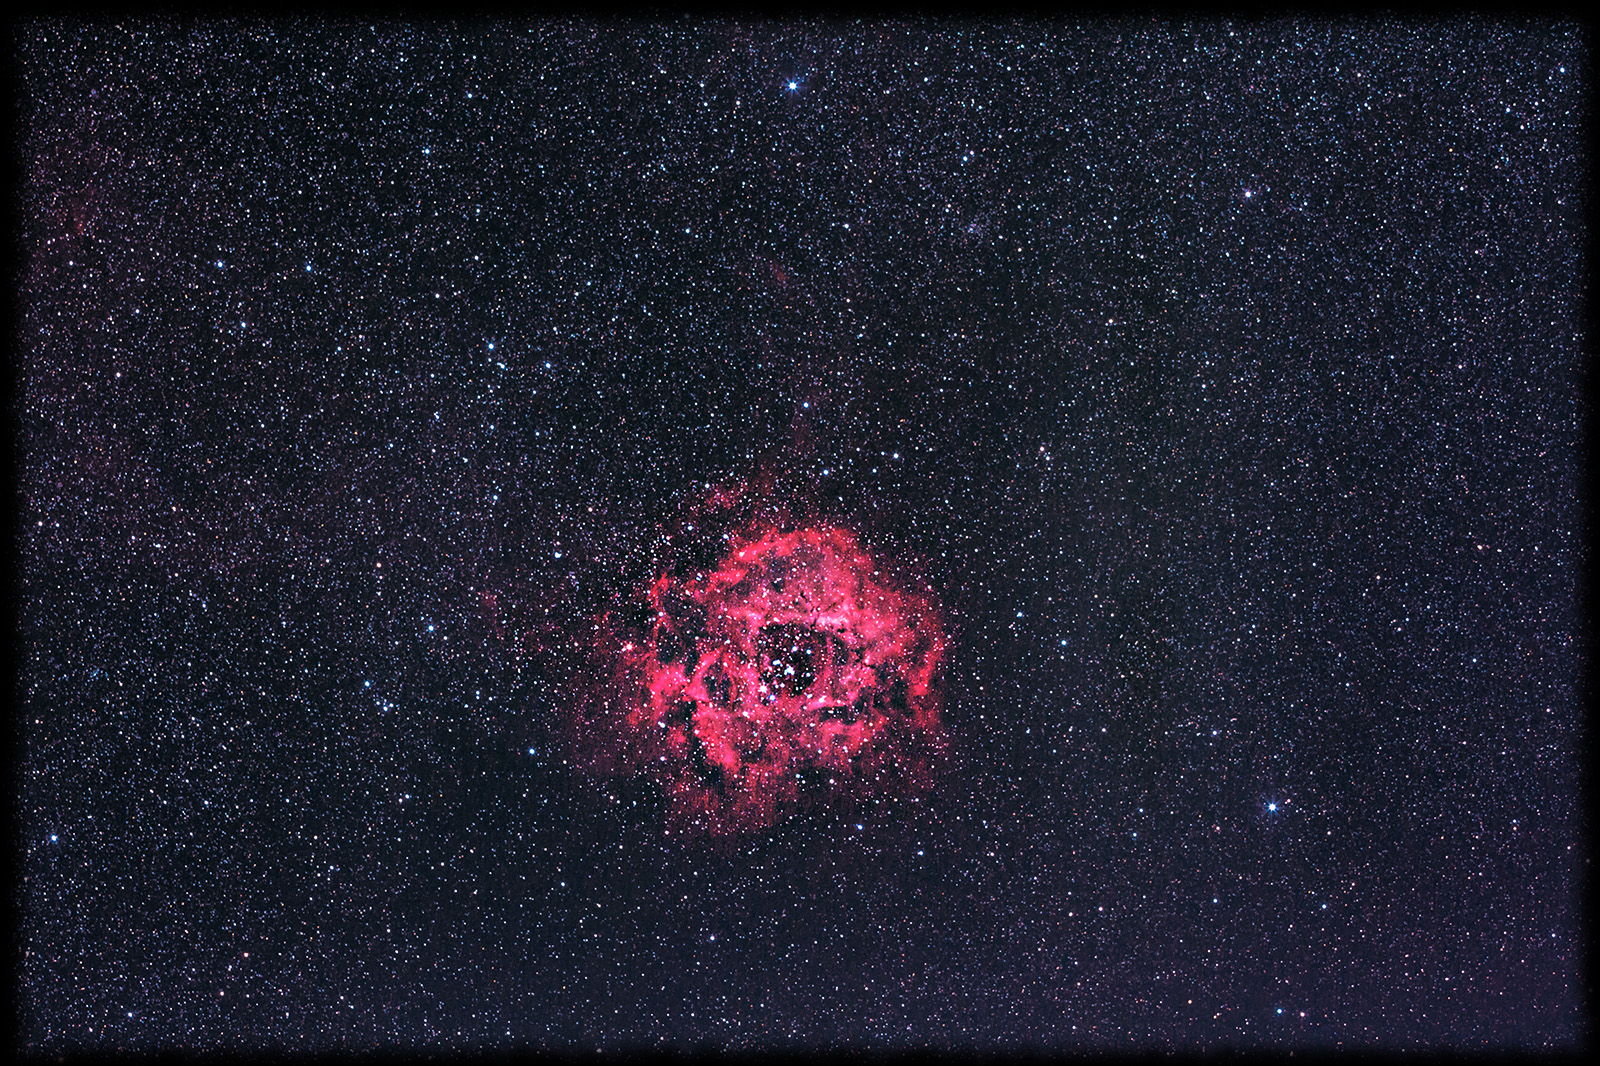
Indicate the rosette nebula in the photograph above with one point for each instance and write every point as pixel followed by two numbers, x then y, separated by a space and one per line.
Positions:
pixel 793 666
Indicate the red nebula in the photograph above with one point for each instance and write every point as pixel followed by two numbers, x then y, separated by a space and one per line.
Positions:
pixel 793 665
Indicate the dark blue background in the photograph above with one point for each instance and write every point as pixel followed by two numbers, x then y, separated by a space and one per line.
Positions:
pixel 1223 379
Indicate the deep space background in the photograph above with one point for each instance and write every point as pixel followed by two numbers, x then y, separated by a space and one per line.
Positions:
pixel 1224 379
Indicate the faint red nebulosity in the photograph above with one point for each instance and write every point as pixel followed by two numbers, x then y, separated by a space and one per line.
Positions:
pixel 791 666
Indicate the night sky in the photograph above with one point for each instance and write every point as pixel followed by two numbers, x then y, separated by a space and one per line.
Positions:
pixel 1222 381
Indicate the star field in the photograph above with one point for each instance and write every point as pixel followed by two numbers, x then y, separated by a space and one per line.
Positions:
pixel 1222 379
